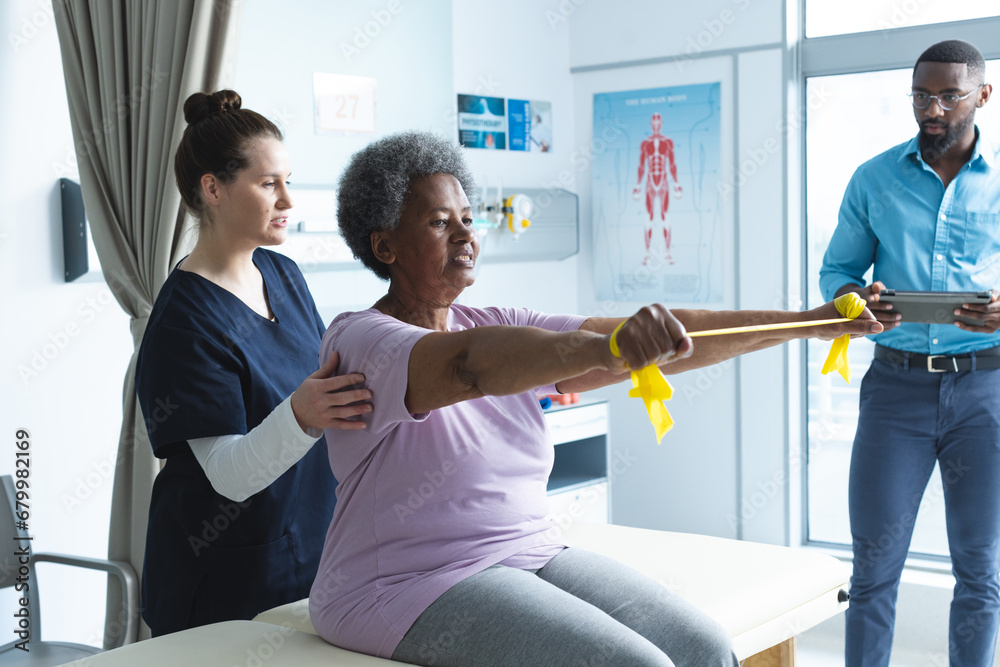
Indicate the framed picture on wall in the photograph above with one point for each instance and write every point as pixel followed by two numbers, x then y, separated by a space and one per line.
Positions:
pixel 482 122
pixel 529 125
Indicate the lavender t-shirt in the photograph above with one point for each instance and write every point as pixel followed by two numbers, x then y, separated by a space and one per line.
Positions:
pixel 426 500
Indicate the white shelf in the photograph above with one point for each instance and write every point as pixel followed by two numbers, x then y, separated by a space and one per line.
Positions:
pixel 577 421
pixel 579 485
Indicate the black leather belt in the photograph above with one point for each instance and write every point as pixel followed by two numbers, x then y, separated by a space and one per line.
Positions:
pixel 981 360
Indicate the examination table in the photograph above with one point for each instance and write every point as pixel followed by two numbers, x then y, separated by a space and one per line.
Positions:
pixel 764 595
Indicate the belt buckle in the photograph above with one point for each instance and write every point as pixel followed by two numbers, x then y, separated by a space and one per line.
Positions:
pixel 930 361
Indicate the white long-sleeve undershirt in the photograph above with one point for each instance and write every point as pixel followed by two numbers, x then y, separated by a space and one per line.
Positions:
pixel 239 466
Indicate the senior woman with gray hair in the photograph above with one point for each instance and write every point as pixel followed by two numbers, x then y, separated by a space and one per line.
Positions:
pixel 439 552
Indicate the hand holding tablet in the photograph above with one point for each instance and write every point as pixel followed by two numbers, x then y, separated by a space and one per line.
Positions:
pixel 935 307
pixel 883 312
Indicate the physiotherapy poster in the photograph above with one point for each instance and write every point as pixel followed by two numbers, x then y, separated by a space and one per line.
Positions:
pixel 529 125
pixel 657 218
pixel 482 122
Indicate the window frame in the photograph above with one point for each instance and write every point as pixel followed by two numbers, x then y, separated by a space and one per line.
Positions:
pixel 852 53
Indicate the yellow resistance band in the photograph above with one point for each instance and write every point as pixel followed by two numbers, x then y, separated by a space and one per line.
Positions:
pixel 849 305
pixel 766 327
pixel 649 384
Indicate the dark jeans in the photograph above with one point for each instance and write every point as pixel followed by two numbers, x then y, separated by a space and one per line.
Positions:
pixel 910 419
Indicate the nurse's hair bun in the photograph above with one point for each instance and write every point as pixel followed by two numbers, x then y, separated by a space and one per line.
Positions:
pixel 216 141
pixel 200 106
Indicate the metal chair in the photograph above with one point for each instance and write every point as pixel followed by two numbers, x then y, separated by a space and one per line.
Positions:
pixel 17 570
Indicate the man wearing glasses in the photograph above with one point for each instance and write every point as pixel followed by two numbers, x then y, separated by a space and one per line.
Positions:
pixel 926 214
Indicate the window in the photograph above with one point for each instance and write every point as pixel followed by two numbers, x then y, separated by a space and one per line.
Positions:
pixel 850 16
pixel 862 114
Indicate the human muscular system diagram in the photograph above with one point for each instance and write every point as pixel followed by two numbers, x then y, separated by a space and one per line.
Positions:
pixel 656 152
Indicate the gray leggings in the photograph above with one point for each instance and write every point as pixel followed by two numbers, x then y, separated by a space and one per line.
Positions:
pixel 580 609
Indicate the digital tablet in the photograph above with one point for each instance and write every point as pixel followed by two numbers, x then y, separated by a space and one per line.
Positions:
pixel 933 307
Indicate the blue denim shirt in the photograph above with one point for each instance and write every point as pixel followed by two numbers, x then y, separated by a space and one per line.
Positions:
pixel 897 215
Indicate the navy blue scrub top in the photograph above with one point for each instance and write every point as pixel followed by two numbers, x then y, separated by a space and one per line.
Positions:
pixel 209 366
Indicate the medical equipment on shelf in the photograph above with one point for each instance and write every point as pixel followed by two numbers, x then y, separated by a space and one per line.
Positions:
pixel 525 224
pixel 512 213
pixel 516 209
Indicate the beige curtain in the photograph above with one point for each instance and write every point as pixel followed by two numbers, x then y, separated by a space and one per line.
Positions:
pixel 129 66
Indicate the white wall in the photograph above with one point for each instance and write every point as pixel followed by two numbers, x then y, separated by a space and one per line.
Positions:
pixel 612 31
pixel 66 346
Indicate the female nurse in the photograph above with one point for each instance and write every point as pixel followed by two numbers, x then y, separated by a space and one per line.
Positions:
pixel 228 384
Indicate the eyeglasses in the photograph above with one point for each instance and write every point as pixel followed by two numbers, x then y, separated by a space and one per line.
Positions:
pixel 947 102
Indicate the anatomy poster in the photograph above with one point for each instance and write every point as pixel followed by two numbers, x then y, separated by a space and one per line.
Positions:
pixel 657 219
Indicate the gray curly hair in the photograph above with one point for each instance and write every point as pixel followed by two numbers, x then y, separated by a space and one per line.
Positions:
pixel 374 187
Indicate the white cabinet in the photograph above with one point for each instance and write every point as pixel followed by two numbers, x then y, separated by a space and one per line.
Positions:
pixel 578 484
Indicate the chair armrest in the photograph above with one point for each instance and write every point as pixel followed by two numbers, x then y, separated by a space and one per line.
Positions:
pixel 129 585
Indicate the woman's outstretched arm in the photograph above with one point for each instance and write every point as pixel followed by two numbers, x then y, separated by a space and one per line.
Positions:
pixel 711 350
pixel 448 367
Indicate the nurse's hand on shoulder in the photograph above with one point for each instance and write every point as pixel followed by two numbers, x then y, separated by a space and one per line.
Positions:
pixel 326 400
pixel 990 312
pixel 652 335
